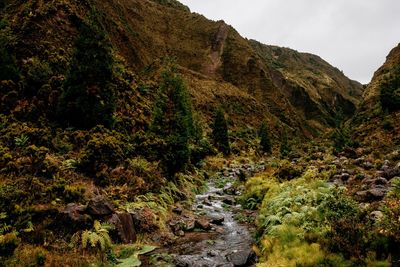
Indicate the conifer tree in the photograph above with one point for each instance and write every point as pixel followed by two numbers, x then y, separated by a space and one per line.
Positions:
pixel 173 122
pixel 285 147
pixel 8 66
pixel 220 133
pixel 88 98
pixel 265 142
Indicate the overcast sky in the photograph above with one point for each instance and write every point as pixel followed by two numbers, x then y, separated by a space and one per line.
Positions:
pixel 353 35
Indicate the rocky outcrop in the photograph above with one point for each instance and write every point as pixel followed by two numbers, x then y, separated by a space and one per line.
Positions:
pixel 124 226
pixel 126 223
pixel 99 206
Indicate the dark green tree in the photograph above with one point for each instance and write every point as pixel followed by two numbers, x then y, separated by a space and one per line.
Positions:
pixel 341 138
pixel 285 147
pixel 173 122
pixel 220 132
pixel 265 142
pixel 88 98
pixel 8 66
pixel 390 91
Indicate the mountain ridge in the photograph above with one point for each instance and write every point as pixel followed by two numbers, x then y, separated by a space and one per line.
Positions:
pixel 144 31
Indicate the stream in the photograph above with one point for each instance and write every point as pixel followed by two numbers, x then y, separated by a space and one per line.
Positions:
pixel 230 245
pixel 210 235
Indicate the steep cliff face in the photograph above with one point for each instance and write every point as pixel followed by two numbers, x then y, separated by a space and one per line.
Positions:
pixel 376 121
pixel 373 91
pixel 254 82
pixel 312 86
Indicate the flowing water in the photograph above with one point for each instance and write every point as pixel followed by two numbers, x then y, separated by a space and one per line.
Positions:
pixel 227 244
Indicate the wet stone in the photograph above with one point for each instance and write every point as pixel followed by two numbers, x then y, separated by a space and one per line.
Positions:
pixel 242 257
pixel 203 224
pixel 229 201
pixel 217 219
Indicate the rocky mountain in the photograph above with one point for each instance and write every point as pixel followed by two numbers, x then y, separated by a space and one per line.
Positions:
pixel 253 82
pixel 376 120
pixel 371 96
pixel 128 135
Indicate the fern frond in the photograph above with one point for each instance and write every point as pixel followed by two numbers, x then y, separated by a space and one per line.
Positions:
pixel 94 239
pixel 75 239
pixel 97 225
pixel 107 226
pixel 107 239
pixel 102 243
pixel 85 238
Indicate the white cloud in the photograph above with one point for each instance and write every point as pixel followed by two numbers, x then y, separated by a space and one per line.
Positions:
pixel 353 35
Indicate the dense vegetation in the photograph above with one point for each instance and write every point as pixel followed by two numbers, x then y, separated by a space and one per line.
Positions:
pixel 220 132
pixel 265 141
pixel 390 91
pixel 105 139
pixel 307 221
pixel 88 96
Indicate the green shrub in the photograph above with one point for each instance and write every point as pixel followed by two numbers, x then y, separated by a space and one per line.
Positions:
pixel 285 148
pixel 199 150
pixel 307 222
pixel 97 239
pixel 265 142
pixel 341 138
pixel 21 141
pixel 104 149
pixel 388 124
pixel 220 132
pixel 74 193
pixel 8 243
pixel 289 171
pixel 37 73
pixel 391 222
pixel 8 66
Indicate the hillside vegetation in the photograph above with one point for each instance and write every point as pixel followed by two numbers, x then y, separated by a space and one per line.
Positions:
pixel 114 114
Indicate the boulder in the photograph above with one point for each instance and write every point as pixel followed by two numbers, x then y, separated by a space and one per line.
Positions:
pixel 207 202
pixel 229 190
pixel 368 165
pixel 392 172
pixel 374 181
pixel 229 201
pixel 372 194
pixel 76 212
pixel 218 220
pixel 124 226
pixel 386 165
pixel 377 193
pixel 203 224
pixel 243 257
pixel 99 206
pixel 380 181
pixel 144 220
